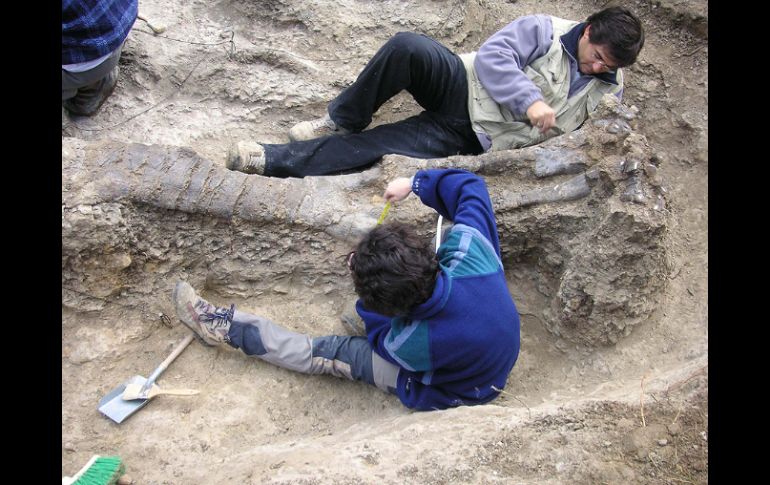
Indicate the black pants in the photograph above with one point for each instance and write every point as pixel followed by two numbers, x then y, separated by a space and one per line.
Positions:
pixel 430 72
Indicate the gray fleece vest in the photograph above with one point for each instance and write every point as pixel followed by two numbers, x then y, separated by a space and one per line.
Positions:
pixel 550 73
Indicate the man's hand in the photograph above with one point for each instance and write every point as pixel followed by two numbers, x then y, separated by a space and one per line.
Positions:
pixel 398 189
pixel 541 116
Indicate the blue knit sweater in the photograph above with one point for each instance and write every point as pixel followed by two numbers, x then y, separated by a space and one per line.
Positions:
pixel 462 343
pixel 91 29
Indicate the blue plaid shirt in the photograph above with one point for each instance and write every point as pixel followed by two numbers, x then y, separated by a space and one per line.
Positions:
pixel 93 28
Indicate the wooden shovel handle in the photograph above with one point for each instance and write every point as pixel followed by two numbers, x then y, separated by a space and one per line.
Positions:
pixel 178 350
pixel 176 392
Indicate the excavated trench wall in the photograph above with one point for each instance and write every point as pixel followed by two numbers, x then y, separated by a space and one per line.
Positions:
pixel 583 215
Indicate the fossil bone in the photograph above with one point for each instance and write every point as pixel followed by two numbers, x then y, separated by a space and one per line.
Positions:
pixel 580 223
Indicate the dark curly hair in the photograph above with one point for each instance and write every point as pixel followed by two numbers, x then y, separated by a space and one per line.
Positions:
pixel 620 31
pixel 393 269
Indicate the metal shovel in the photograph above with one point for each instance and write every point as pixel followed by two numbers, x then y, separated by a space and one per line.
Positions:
pixel 116 408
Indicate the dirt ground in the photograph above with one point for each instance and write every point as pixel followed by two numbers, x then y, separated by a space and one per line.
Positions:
pixel 632 412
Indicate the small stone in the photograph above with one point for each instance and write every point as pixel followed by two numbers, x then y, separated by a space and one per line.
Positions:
pixel 673 429
pixel 69 447
pixel 125 480
pixel 662 442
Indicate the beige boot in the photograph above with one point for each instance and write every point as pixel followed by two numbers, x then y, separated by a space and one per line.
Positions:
pixel 210 323
pixel 308 130
pixel 247 157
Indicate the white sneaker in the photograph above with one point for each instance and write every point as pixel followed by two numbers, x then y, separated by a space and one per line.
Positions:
pixel 308 130
pixel 247 157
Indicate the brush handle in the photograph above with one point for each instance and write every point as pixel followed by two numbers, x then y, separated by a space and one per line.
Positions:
pixel 76 477
pixel 178 350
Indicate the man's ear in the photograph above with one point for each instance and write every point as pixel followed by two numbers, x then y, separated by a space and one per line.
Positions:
pixel 586 32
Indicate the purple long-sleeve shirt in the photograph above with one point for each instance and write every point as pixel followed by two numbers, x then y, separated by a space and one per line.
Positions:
pixel 501 59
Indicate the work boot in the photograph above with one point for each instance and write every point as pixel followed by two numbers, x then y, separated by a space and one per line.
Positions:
pixel 247 157
pixel 210 324
pixel 307 130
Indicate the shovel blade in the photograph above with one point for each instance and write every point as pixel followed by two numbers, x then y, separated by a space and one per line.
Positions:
pixel 116 408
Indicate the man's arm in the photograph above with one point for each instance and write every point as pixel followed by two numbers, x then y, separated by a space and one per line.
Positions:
pixel 500 62
pixel 457 195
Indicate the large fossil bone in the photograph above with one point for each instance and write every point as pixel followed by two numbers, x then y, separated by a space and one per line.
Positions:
pixel 582 214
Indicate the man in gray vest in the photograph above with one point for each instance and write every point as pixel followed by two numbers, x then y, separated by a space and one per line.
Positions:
pixel 538 77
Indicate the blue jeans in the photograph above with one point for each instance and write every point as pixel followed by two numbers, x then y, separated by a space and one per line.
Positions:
pixel 341 356
pixel 430 72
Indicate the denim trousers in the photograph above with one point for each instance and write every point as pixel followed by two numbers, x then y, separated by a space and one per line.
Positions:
pixel 436 79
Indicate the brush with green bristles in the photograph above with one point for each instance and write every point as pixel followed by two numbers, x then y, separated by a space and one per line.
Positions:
pixel 100 470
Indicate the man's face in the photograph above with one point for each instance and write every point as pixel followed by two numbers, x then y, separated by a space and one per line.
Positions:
pixel 593 58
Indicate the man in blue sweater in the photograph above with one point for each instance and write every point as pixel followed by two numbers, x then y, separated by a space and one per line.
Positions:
pixel 442 329
pixel 538 77
pixel 92 37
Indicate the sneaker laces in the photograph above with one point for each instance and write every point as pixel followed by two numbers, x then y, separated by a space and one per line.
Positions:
pixel 219 318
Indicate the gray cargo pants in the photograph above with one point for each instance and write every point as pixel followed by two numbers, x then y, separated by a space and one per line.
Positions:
pixel 341 356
